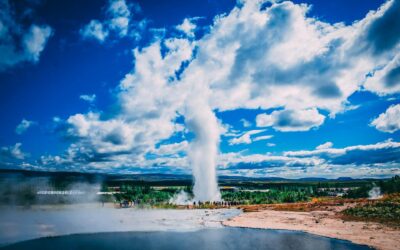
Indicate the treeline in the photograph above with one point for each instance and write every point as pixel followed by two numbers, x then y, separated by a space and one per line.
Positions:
pixel 258 193
pixel 143 194
pixel 272 196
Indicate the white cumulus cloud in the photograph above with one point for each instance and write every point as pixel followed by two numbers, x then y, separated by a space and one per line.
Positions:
pixel 291 120
pixel 119 17
pixel 389 121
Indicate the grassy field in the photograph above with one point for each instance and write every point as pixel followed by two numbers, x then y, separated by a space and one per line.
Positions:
pixel 386 210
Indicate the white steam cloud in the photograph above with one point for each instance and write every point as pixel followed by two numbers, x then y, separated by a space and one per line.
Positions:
pixel 181 198
pixel 375 193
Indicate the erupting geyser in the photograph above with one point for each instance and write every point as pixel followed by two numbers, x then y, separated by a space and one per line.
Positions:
pixel 203 150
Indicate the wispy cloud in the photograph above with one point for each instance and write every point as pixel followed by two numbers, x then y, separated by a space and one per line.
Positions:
pixel 23 126
pixel 246 138
pixel 19 42
pixel 12 156
pixel 89 98
pixel 117 22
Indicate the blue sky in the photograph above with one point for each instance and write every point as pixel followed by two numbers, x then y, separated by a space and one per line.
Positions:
pixel 262 88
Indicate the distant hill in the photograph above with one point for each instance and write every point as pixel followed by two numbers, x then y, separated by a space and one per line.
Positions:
pixel 155 177
pixel 345 179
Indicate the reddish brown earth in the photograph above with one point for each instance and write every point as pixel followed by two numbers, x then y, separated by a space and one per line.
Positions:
pixel 321 218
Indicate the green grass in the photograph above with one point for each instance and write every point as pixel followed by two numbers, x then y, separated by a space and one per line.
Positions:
pixel 384 211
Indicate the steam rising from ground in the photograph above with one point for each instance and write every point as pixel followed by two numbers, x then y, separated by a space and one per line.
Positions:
pixel 27 211
pixel 203 150
pixel 181 198
pixel 16 190
pixel 375 193
pixel 18 224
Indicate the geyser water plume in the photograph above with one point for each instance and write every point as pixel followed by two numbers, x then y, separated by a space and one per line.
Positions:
pixel 203 150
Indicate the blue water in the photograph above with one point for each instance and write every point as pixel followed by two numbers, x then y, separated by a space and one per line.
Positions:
pixel 212 239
